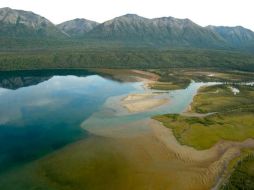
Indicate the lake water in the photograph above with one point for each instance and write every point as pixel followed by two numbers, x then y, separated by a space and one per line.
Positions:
pixel 42 111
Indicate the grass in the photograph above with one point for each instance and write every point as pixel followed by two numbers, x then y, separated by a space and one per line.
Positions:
pixel 179 78
pixel 219 98
pixel 216 75
pixel 203 132
pixel 234 118
pixel 243 175
pixel 167 86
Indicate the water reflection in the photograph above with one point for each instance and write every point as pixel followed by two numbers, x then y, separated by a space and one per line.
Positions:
pixel 17 79
pixel 47 112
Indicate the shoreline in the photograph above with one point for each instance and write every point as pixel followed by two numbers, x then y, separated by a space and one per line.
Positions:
pixel 143 102
pixel 219 156
pixel 222 153
pixel 147 100
pixel 142 152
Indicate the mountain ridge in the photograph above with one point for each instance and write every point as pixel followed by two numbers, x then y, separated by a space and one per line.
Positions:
pixel 19 23
pixel 77 27
pixel 127 29
pixel 166 30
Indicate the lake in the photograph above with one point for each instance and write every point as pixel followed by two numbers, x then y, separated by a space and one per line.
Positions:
pixel 44 111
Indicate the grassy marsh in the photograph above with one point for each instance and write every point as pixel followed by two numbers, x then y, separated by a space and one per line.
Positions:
pixel 179 78
pixel 204 132
pixel 242 176
pixel 232 119
pixel 220 98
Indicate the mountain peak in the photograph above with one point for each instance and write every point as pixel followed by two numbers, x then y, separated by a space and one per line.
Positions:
pixel 130 15
pixel 77 27
pixel 21 23
pixel 128 28
pixel 237 35
pixel 6 8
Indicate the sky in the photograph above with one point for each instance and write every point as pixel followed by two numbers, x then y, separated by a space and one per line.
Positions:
pixel 202 12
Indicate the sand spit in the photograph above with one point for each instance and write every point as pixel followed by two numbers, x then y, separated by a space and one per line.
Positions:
pixel 143 102
pixel 126 75
pixel 147 75
pixel 136 97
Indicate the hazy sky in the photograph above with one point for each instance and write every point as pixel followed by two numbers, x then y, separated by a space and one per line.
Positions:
pixel 203 12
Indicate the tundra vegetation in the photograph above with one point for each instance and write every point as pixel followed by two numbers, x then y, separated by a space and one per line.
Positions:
pixel 220 115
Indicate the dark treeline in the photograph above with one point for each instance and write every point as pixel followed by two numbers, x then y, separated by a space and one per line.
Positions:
pixel 124 58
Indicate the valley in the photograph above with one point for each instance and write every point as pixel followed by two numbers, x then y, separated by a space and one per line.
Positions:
pixel 134 148
pixel 127 103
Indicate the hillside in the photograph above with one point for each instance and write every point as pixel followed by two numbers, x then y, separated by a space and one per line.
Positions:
pixel 23 24
pixel 167 31
pixel 77 27
pixel 235 36
pixel 21 29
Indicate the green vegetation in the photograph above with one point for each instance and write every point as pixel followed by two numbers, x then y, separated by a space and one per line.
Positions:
pixel 167 85
pixel 212 75
pixel 220 98
pixel 179 78
pixel 170 79
pixel 204 132
pixel 242 177
pixel 91 56
pixel 233 121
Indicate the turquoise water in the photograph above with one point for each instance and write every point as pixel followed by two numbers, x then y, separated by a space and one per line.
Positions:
pixel 42 111
pixel 112 115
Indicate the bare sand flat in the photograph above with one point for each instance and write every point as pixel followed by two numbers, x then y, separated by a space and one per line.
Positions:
pixel 142 102
pixel 160 162
pixel 135 97
pixel 215 159
pixel 129 158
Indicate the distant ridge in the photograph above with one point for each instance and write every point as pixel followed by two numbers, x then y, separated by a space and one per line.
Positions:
pixel 128 29
pixel 77 27
pixel 24 24
pixel 236 36
pixel 162 31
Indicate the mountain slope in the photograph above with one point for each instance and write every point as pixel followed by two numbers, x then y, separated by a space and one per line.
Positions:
pixel 77 27
pixel 23 24
pixel 20 29
pixel 236 36
pixel 164 31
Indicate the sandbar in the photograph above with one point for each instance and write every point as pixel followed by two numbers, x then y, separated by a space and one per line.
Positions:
pixel 143 102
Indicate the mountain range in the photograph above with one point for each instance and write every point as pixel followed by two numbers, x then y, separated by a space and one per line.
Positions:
pixel 23 24
pixel 127 29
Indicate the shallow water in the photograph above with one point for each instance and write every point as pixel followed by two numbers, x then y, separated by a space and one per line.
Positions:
pixel 41 112
pixel 112 114
pixel 42 117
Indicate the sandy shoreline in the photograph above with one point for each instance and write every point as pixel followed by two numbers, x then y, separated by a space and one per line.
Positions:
pixel 217 157
pixel 139 154
pixel 143 102
pixel 155 148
